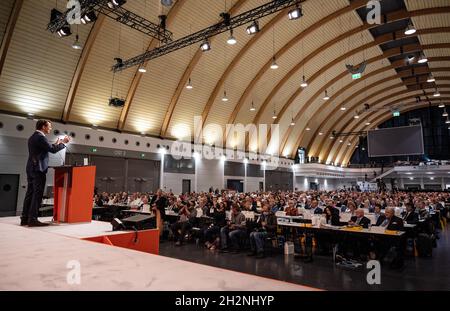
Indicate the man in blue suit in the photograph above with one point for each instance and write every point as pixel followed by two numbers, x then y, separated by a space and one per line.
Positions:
pixel 37 167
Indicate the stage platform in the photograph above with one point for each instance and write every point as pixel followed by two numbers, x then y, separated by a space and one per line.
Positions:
pixel 38 258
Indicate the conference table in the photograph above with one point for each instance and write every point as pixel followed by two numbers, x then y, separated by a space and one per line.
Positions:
pixel 299 226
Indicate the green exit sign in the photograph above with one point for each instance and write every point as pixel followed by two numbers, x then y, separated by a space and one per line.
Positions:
pixel 396 113
pixel 94 149
pixel 356 76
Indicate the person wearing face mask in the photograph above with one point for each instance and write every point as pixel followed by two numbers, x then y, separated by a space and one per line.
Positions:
pixel 266 225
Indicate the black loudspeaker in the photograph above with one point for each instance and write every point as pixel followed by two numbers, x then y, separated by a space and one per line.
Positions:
pixel 139 222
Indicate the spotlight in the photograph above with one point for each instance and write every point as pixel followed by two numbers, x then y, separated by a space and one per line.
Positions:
pixel 253 28
pixel 116 3
pixel 292 122
pixel 76 45
pixel 295 13
pixel 447 121
pixel 116 102
pixel 356 117
pixel 410 29
pixel 436 94
pixel 206 46
pixel 304 83
pixel 189 85
pixel 422 59
pixel 320 134
pixel 326 97
pixel 308 129
pixel 252 108
pixel 274 64
pixel 119 62
pixel 441 105
pixel 64 31
pixel 410 58
pixel 343 108
pixel 231 40
pixel 445 114
pixel 89 17
pixel 367 123
pixel 431 78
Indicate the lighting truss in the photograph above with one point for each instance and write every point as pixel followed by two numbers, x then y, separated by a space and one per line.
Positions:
pixel 118 14
pixel 226 24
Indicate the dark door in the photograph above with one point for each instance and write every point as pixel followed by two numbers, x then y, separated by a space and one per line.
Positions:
pixel 186 186
pixel 261 186
pixel 9 188
pixel 313 186
pixel 235 184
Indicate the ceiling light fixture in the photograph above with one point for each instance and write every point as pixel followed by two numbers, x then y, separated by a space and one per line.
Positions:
pixel 422 59
pixel 326 97
pixel 252 108
pixel 431 78
pixel 205 46
pixel 231 40
pixel 77 45
pixel 189 85
pixel 304 83
pixel 253 28
pixel 274 64
pixel 410 29
pixel 224 98
pixel 295 13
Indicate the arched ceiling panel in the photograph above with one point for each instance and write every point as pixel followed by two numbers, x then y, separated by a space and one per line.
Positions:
pixel 413 5
pixel 301 49
pixel 6 7
pixel 163 74
pixel 39 65
pixel 206 74
pixel 330 114
pixel 90 105
pixel 318 107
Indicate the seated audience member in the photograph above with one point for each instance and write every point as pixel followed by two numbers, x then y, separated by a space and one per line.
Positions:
pixel 359 219
pixel 332 216
pixel 145 206
pixel 315 208
pixel 135 203
pixel 98 201
pixel 410 216
pixel 213 231
pixel 266 225
pixel 234 230
pixel 392 222
pixel 183 225
pixel 291 209
pixel 379 216
pixel 351 208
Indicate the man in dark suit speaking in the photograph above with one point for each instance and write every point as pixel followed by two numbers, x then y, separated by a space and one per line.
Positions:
pixel 37 167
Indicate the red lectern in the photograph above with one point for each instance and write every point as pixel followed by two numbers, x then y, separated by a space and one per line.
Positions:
pixel 73 191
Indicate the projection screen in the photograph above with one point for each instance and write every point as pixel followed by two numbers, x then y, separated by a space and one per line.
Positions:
pixel 406 140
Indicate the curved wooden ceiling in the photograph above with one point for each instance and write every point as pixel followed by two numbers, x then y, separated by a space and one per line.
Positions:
pixel 41 74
